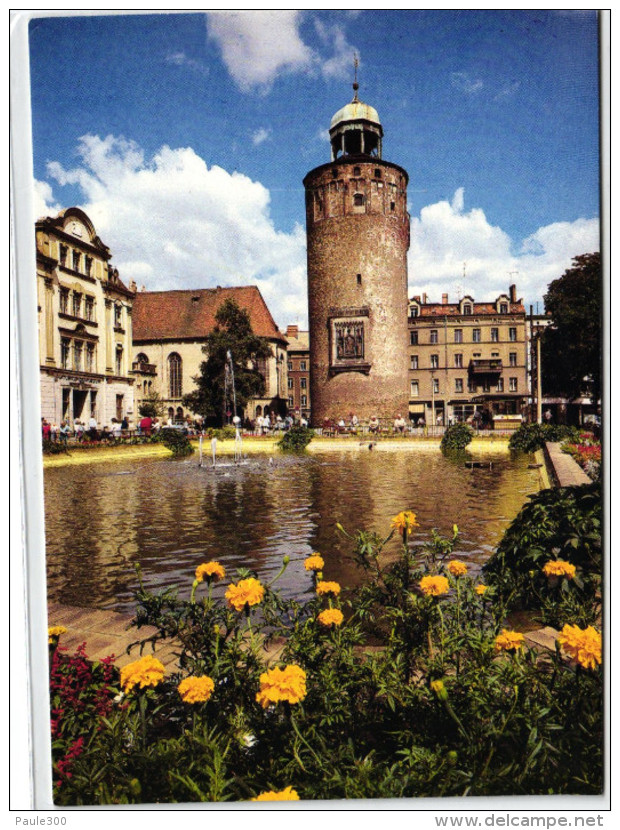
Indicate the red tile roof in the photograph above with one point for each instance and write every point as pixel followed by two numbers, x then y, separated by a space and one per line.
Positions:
pixel 453 310
pixel 178 315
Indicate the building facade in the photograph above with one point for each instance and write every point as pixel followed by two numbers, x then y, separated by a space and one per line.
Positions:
pixel 357 242
pixel 85 324
pixel 298 356
pixel 170 329
pixel 467 358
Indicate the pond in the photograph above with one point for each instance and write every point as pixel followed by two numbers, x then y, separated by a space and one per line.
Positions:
pixel 171 515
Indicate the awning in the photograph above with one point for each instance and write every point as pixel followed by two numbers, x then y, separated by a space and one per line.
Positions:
pixel 416 408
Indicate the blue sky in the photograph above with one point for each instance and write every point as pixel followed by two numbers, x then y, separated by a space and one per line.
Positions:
pixel 186 137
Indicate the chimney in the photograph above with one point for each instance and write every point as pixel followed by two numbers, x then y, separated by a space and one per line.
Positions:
pixel 444 299
pixel 292 331
pixel 417 299
pixel 513 293
pixel 424 297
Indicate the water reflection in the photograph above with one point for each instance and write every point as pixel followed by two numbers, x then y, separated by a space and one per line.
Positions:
pixel 171 515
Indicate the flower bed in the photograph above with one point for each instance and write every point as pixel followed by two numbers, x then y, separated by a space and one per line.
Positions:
pixel 587 453
pixel 412 684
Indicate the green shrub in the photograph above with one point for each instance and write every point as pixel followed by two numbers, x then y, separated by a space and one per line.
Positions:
pixel 556 524
pixel 296 439
pixel 177 442
pixel 457 437
pixel 532 437
pixel 54 447
pixel 403 687
pixel 222 433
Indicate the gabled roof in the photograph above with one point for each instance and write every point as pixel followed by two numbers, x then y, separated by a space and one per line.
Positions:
pixel 301 343
pixel 181 315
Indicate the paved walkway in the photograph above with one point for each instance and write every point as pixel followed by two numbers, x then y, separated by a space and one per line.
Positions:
pixel 109 633
pixel 565 469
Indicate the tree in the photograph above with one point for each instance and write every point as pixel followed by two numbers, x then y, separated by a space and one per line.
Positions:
pixel 232 333
pixel 152 407
pixel 571 347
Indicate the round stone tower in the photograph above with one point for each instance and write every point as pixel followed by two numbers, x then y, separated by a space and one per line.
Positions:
pixel 358 237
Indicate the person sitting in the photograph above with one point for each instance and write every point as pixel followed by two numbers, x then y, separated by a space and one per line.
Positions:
pixel 374 424
pixel 64 432
pixel 399 424
pixel 145 426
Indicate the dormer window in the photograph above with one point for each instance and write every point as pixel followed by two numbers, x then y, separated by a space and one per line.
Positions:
pixel 503 308
pixel 467 309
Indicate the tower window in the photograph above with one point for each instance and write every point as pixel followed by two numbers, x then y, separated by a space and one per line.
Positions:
pixel 358 199
pixel 334 174
pixel 392 206
pixel 357 171
pixel 359 279
pixel 377 173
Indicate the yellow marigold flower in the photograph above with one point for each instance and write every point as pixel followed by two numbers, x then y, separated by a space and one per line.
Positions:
pixel 210 570
pixel 196 689
pixel 287 794
pixel 147 671
pixel 54 632
pixel 457 568
pixel 328 588
pixel 439 688
pixel 582 644
pixel 287 684
pixel 509 640
pixel 246 592
pixel 405 521
pixel 434 586
pixel 314 562
pixel 331 616
pixel 481 589
pixel 558 567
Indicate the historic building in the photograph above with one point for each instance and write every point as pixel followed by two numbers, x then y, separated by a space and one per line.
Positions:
pixel 468 357
pixel 298 354
pixel 357 242
pixel 85 323
pixel 169 330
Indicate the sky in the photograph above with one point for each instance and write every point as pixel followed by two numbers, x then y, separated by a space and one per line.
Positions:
pixel 186 137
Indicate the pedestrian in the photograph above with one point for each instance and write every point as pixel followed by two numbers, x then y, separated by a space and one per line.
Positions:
pixel 64 432
pixel 92 429
pixel 79 430
pixel 46 429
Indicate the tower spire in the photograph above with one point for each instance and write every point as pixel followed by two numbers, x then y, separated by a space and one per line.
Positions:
pixel 356 86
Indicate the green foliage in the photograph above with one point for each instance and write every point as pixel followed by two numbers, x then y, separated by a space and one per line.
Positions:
pixel 177 442
pixel 152 407
pixel 556 524
pixel 233 332
pixel 296 439
pixel 532 437
pixel 457 437
pixel 224 434
pixel 408 697
pixel 54 447
pixel 571 348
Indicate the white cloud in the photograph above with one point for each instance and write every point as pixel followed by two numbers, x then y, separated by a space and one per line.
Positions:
pixel 507 91
pixel 465 83
pixel 43 202
pixel 173 222
pixel 258 45
pixel 181 59
pixel 445 237
pixel 260 135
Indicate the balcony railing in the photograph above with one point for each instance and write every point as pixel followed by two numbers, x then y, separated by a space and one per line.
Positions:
pixel 144 368
pixel 485 367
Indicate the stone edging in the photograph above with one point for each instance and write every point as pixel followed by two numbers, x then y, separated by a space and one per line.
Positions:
pixel 566 471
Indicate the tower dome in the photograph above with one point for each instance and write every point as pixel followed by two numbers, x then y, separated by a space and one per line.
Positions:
pixel 356 130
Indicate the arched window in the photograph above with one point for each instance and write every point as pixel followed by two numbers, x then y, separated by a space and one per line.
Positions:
pixel 175 366
pixel 142 358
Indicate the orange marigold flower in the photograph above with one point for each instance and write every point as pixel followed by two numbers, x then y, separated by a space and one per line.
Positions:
pixel 196 689
pixel 405 521
pixel 54 632
pixel 209 571
pixel 287 684
pixel 434 586
pixel 584 645
pixel 457 568
pixel 314 562
pixel 147 671
pixel 287 794
pixel 558 567
pixel 331 616
pixel 245 592
pixel 481 589
pixel 509 640
pixel 328 588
